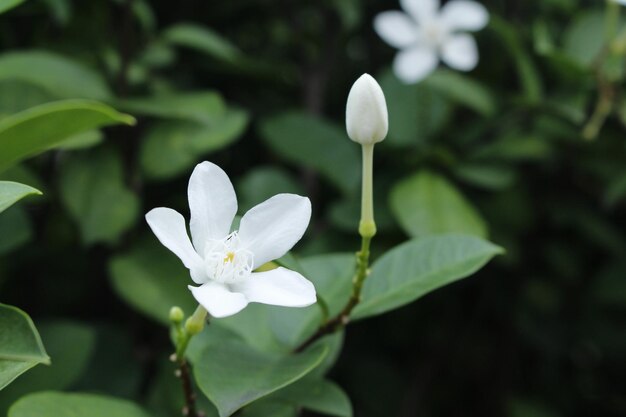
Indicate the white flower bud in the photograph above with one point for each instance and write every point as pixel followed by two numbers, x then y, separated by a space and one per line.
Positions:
pixel 366 112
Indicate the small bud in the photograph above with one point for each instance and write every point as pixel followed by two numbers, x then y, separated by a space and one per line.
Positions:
pixel 176 315
pixel 366 112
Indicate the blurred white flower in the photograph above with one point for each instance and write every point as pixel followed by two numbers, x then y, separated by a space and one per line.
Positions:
pixel 222 262
pixel 366 112
pixel 424 34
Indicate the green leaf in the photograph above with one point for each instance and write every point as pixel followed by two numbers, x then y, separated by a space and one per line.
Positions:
pixel 174 147
pixel 12 192
pixel 416 112
pixel 16 96
pixel 69 361
pixel 463 90
pixel 319 395
pixel 204 40
pixel 202 107
pixel 44 127
pixel 20 344
pixel 265 408
pixel 15 229
pixel 585 37
pixel 6 5
pixel 315 143
pixel 419 266
pixel 58 404
pixel 261 183
pixel 55 73
pixel 528 74
pixel 152 279
pixel 233 375
pixel 427 204
pixel 332 276
pixel 94 193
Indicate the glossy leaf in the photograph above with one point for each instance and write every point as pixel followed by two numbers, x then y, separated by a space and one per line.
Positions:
pixel 11 192
pixel 205 40
pixel 20 344
pixel 261 183
pixel 318 395
pixel 463 90
pixel 317 144
pixel 43 127
pixel 55 73
pixel 233 375
pixel 203 107
pixel 6 5
pixel 150 279
pixel 68 361
pixel 57 404
pixel 419 266
pixel 427 204
pixel 173 147
pixel 94 193
pixel 416 112
pixel 15 229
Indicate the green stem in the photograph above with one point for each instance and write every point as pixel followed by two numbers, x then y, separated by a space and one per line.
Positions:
pixel 367 226
pixel 193 326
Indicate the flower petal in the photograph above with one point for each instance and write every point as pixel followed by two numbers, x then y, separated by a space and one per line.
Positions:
pixel 396 28
pixel 279 287
pixel 460 52
pixel 464 15
pixel 415 64
pixel 212 202
pixel 218 300
pixel 271 228
pixel 423 11
pixel 169 227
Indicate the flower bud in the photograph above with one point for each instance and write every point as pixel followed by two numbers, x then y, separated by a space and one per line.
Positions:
pixel 176 315
pixel 366 112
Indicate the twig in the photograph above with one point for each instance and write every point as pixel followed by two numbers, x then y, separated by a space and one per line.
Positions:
pixel 343 318
pixel 184 374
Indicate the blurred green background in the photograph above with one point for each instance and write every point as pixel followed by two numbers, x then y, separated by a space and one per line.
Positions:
pixel 259 87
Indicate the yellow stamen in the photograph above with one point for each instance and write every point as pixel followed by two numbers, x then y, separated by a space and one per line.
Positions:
pixel 230 256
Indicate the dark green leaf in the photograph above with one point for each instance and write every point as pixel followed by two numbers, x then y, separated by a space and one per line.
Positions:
pixel 93 190
pixel 315 143
pixel 11 192
pixel 427 204
pixel 463 90
pixel 41 128
pixel 233 375
pixel 55 73
pixel 420 266
pixel 152 280
pixel 68 361
pixel 20 344
pixel 57 404
pixel 319 395
pixel 6 5
pixel 172 148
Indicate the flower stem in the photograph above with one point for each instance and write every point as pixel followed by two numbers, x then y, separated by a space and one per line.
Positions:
pixel 183 335
pixel 367 230
pixel 367 226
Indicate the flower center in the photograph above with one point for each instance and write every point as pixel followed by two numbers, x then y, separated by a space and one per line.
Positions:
pixel 433 33
pixel 226 262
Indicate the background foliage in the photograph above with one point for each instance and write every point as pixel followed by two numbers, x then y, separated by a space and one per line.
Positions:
pixel 259 88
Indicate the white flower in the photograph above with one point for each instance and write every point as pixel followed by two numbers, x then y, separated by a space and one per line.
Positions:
pixel 222 262
pixel 424 34
pixel 622 2
pixel 366 112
